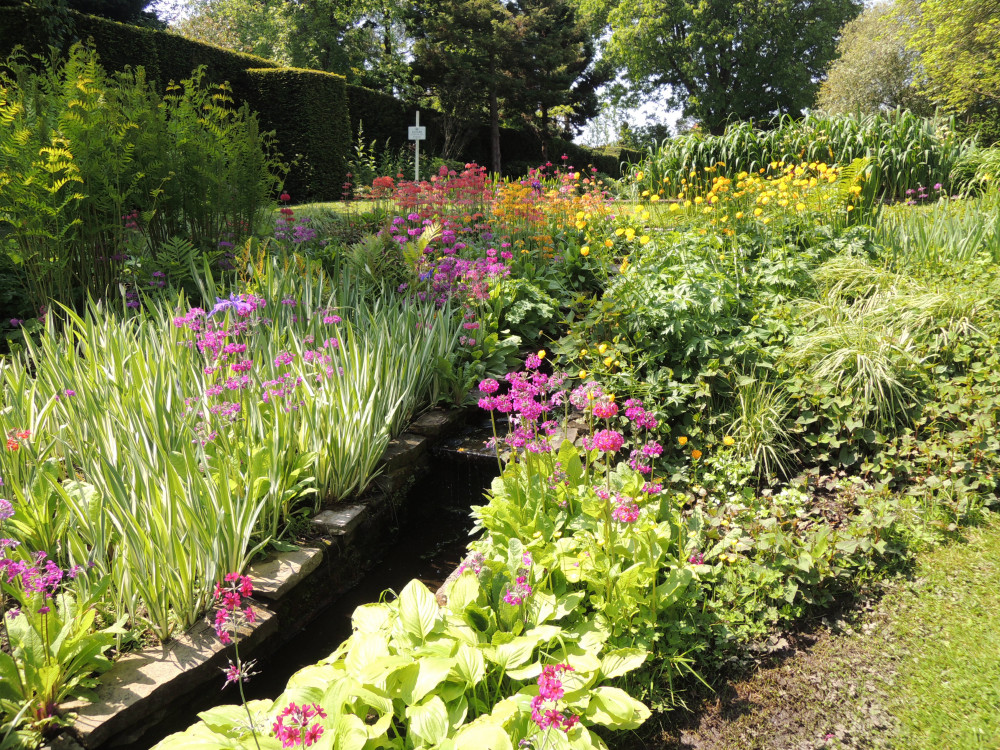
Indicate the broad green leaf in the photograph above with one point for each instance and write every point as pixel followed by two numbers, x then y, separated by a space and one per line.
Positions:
pixel 613 707
pixel 418 610
pixel 623 660
pixel 428 721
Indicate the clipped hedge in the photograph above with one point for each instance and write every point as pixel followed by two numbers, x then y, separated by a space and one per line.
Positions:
pixel 308 111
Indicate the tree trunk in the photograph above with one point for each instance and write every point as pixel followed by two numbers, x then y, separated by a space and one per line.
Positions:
pixel 494 123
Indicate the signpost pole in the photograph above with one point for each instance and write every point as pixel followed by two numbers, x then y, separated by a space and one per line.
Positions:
pixel 416 153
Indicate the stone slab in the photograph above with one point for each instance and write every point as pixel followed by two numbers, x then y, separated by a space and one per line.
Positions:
pixel 341 520
pixel 63 741
pixel 404 450
pixel 438 422
pixel 142 686
pixel 277 575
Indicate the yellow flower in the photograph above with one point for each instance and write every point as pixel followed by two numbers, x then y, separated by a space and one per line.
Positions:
pixel 800 206
pixel 608 243
pixel 583 374
pixel 602 348
pixel 644 239
pixel 739 214
pixel 608 361
pixel 696 454
pixel 682 440
pixel 727 440
pixel 541 354
pixel 585 250
pixel 583 352
pixel 758 211
pixel 619 232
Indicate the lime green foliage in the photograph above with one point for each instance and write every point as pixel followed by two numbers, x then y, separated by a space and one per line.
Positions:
pixel 416 675
pixel 81 152
pixel 946 692
pixel 906 151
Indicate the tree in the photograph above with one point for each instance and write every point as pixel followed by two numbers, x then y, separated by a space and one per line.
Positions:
pixel 723 60
pixel 875 69
pixel 513 61
pixel 363 40
pixel 554 71
pixel 958 42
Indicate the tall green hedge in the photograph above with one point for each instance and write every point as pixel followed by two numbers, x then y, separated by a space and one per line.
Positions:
pixel 308 111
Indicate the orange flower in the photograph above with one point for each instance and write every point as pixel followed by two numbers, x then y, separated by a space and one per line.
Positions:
pixel 696 454
pixel 12 444
pixel 682 440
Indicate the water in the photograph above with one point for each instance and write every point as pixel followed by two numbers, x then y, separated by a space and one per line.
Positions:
pixel 430 545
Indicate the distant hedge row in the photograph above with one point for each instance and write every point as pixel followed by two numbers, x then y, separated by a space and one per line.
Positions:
pixel 315 115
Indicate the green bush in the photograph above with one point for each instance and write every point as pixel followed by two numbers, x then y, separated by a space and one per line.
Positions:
pixel 98 172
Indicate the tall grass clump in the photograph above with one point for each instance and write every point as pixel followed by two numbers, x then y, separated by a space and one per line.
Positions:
pixel 165 449
pixel 905 151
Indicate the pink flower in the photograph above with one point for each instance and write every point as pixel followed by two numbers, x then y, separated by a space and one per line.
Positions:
pixel 294 727
pixel 608 441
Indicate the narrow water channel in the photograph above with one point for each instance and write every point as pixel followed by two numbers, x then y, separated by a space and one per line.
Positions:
pixel 429 545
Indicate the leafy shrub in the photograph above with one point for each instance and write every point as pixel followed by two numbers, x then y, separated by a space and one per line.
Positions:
pixel 95 169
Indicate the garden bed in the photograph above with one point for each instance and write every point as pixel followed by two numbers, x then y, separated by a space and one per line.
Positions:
pixel 145 691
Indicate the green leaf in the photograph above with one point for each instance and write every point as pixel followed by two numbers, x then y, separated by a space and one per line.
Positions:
pixel 418 610
pixel 621 661
pixel 428 721
pixel 613 707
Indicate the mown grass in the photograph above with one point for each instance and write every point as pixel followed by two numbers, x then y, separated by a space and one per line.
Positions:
pixel 948 684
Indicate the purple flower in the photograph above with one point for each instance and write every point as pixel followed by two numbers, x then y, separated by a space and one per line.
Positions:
pixel 697 559
pixel 6 510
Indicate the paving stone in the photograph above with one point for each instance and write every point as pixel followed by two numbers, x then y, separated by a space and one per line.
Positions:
pixel 404 450
pixel 341 520
pixel 276 576
pixel 437 422
pixel 63 741
pixel 142 686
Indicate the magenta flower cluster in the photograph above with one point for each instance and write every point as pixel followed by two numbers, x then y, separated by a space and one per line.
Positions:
pixel 232 613
pixel 544 706
pixel 521 589
pixel 294 726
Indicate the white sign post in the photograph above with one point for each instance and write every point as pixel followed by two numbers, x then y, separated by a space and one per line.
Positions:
pixel 417 134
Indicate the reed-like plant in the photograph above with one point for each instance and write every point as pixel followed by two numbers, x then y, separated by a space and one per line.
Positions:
pixel 132 448
pixel 906 151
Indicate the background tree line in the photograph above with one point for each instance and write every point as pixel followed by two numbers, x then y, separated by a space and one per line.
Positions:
pixel 548 66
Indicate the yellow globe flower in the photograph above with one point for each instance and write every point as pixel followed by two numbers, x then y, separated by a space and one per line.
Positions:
pixel 585 250
pixel 727 440
pixel 608 361
pixel 583 374
pixel 541 354
pixel 602 348
pixel 682 440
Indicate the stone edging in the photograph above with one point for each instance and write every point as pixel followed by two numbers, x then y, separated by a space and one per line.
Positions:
pixel 144 687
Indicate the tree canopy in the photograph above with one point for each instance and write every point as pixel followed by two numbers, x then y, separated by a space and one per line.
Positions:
pixel 722 60
pixel 876 66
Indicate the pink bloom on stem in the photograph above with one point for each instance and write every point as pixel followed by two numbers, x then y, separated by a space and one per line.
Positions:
pixel 294 726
